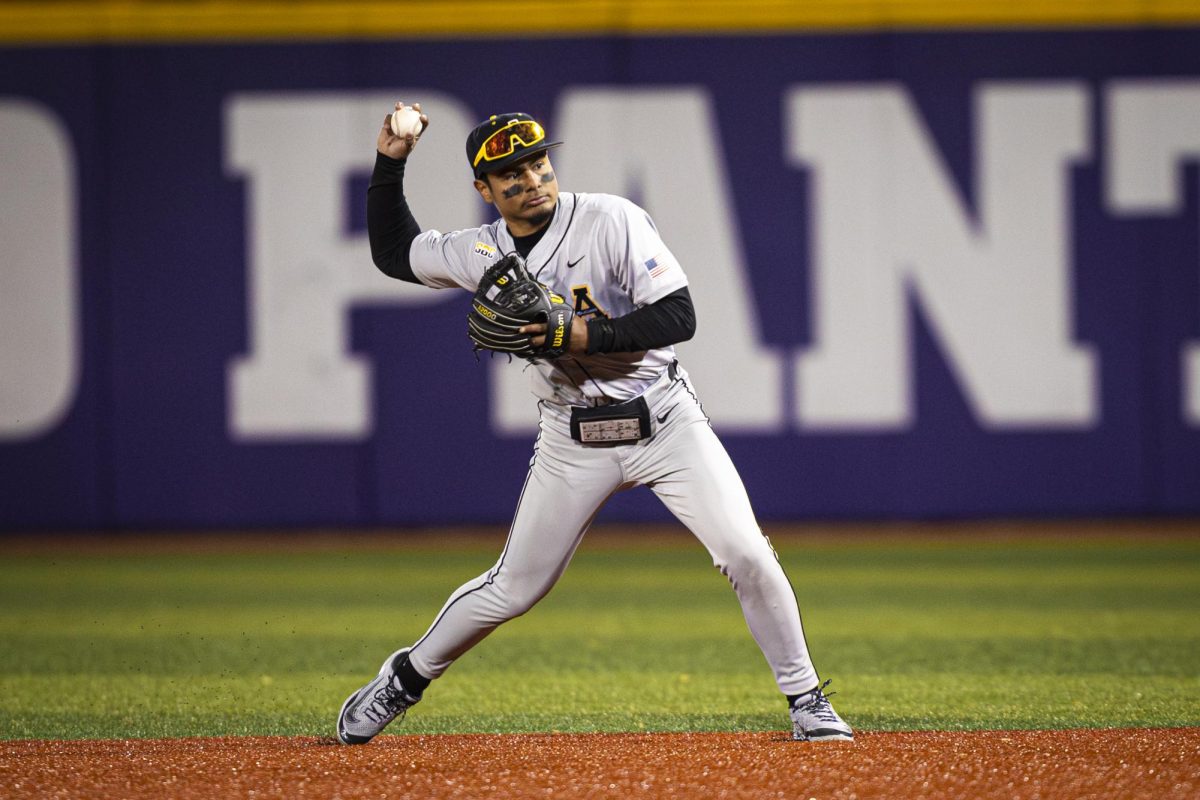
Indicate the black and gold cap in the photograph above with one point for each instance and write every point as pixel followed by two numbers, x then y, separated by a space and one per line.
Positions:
pixel 503 139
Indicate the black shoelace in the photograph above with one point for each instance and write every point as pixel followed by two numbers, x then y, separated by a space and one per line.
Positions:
pixel 819 706
pixel 391 700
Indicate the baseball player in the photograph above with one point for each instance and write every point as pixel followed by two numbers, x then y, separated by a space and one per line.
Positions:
pixel 616 410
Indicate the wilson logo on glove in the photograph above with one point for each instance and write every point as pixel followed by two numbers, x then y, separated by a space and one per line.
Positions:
pixel 560 329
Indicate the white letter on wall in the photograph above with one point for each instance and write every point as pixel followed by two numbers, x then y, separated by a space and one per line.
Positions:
pixel 677 164
pixel 1153 127
pixel 303 271
pixel 887 223
pixel 39 280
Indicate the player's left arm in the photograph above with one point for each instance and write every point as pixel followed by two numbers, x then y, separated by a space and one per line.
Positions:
pixel 669 320
pixel 647 269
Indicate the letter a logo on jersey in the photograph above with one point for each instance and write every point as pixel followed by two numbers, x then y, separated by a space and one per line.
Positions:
pixel 585 306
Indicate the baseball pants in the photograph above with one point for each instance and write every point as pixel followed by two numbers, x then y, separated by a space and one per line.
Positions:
pixel 685 464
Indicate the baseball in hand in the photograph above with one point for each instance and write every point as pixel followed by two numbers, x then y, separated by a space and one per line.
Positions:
pixel 406 121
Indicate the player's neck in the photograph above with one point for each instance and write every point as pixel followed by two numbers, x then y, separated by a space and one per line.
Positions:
pixel 524 244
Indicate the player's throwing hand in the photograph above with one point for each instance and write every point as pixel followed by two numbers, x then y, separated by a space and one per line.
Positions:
pixel 395 146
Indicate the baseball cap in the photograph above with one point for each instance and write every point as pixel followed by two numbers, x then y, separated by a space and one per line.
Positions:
pixel 503 139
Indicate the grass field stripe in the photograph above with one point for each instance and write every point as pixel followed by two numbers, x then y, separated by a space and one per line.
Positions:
pixel 115 22
pixel 951 626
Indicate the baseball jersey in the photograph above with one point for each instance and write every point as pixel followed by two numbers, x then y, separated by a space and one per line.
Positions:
pixel 603 254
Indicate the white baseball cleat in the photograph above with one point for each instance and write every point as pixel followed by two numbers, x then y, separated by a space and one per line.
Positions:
pixel 373 707
pixel 814 720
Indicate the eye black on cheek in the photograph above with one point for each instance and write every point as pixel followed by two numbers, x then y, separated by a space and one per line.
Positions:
pixel 512 191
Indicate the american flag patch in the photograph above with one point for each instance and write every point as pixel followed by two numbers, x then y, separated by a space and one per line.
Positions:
pixel 658 265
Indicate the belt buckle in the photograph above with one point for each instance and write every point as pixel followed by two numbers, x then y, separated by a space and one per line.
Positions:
pixel 624 423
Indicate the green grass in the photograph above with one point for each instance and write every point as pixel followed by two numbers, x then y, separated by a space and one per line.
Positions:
pixel 917 634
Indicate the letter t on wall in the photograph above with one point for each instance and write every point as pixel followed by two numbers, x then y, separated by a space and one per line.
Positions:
pixel 1153 127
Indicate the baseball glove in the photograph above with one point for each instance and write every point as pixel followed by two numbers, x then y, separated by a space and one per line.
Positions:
pixel 507 298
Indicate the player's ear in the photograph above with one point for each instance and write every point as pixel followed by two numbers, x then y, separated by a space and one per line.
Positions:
pixel 485 191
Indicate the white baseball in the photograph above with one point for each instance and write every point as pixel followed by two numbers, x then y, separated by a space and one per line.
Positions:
pixel 406 121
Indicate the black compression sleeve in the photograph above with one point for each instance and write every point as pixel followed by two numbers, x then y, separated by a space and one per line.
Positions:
pixel 390 225
pixel 669 320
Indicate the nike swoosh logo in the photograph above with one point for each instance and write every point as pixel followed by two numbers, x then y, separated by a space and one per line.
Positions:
pixel 664 416
pixel 576 261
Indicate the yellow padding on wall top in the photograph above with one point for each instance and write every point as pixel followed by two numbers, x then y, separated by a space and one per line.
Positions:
pixel 110 21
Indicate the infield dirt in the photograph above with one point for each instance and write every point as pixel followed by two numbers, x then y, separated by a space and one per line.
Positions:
pixel 1018 765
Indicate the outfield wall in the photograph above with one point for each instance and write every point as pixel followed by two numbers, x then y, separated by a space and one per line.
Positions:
pixel 943 266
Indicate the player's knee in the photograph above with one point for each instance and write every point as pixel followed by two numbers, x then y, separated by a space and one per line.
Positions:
pixel 745 565
pixel 519 598
pixel 520 604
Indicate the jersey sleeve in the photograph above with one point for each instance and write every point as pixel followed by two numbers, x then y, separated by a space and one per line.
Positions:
pixel 445 260
pixel 644 266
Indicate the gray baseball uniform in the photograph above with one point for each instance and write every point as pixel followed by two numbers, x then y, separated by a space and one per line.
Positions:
pixel 615 408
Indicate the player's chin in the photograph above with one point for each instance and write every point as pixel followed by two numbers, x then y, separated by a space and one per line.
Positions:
pixel 538 214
